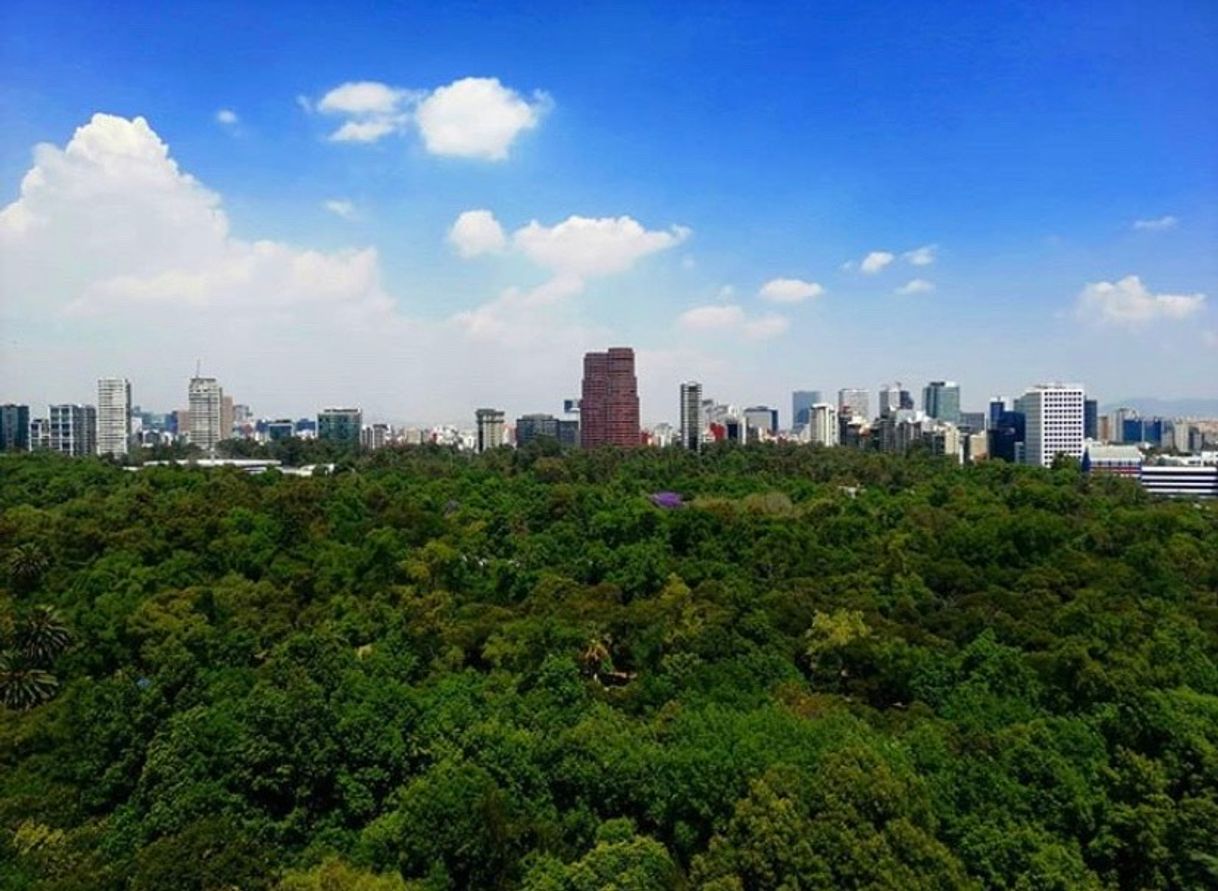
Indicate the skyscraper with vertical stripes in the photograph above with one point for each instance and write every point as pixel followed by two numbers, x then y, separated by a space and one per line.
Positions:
pixel 691 415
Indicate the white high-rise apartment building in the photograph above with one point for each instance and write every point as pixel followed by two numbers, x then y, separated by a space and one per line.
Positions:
pixel 1053 418
pixel 691 415
pixel 855 400
pixel 113 416
pixel 206 410
pixel 822 425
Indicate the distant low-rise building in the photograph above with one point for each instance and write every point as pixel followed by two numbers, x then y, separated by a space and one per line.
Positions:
pixel 763 419
pixel 1180 480
pixel 279 430
pixel 1119 459
pixel 972 422
pixel 40 435
pixel 375 436
pixel 976 447
pixel 943 438
pixel 530 428
pixel 664 435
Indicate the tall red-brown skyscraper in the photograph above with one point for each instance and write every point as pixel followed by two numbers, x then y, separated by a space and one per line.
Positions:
pixel 609 409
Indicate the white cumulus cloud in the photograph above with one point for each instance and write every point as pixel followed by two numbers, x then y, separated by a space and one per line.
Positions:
pixel 477 117
pixel 916 286
pixel 875 261
pixel 477 232
pixel 789 290
pixel 585 247
pixel 1157 224
pixel 572 252
pixel 227 117
pixel 1129 302
pixel 109 223
pixel 474 117
pixel 923 256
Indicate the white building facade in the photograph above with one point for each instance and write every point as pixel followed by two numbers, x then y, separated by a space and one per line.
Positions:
pixel 1054 422
pixel 206 404
pixel 113 416
pixel 822 425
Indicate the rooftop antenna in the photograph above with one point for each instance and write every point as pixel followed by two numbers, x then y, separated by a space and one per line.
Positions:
pixel 198 367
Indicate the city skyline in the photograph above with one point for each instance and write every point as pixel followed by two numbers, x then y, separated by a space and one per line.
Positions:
pixel 788 416
pixel 1047 421
pixel 333 228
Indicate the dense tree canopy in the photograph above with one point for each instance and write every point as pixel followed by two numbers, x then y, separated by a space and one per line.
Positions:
pixel 426 670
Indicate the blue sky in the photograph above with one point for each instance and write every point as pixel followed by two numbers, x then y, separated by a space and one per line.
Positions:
pixel 1021 143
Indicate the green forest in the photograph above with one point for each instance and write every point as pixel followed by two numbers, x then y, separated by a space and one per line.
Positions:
pixel 815 669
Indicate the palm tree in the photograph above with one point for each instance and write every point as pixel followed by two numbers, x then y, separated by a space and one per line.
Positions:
pixel 26 565
pixel 23 687
pixel 41 635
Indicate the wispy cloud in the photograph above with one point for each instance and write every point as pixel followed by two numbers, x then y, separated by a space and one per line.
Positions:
pixel 227 117
pixel 916 286
pixel 766 326
pixel 711 317
pixel 1158 224
pixel 923 256
pixel 732 319
pixel 340 207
